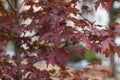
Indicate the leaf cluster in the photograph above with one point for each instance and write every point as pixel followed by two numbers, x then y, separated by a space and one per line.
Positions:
pixel 47 36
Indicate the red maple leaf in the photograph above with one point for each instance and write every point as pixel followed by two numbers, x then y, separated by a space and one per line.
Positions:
pixel 106 4
pixel 86 40
pixel 107 46
pixel 57 56
pixel 79 50
pixel 52 37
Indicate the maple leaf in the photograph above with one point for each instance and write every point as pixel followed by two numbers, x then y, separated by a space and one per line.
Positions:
pixel 86 8
pixel 57 56
pixel 29 2
pixel 95 47
pixel 49 25
pixel 107 46
pixel 65 35
pixel 86 41
pixel 79 50
pixel 17 29
pixel 52 37
pixel 98 32
pixel 106 4
pixel 8 70
pixel 72 10
pixel 38 75
pixel 82 23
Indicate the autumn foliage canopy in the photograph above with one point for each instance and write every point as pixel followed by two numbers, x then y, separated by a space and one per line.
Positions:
pixel 50 35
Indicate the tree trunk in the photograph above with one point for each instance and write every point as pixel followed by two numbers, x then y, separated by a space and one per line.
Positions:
pixel 18 61
pixel 17 43
pixel 113 65
pixel 112 16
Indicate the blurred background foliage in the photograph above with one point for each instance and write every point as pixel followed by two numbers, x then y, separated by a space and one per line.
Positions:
pixel 89 56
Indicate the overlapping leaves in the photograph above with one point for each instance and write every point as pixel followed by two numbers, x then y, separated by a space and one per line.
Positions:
pixel 52 36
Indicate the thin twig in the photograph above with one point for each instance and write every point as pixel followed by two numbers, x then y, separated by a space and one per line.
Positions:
pixel 6 12
pixel 91 23
pixel 11 34
pixel 10 4
pixel 1 30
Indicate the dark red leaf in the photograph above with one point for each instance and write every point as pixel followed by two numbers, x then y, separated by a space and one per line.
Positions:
pixel 52 38
pixel 106 4
pixel 57 56
pixel 79 50
pixel 86 41
pixel 107 46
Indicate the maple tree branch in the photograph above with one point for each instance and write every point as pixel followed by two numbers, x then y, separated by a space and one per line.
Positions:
pixel 11 34
pixel 16 12
pixel 10 4
pixel 6 12
pixel 112 18
pixel 1 30
pixel 20 6
pixel 17 44
pixel 91 23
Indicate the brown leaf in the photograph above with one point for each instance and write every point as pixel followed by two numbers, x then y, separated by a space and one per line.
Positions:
pixel 114 24
pixel 72 10
pixel 86 8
